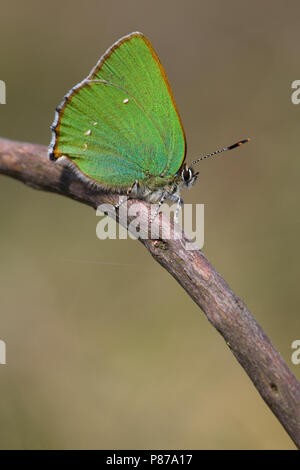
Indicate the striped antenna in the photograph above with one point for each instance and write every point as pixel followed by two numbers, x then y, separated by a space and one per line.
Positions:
pixel 231 147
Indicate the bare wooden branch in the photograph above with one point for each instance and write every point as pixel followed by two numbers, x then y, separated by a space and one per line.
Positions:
pixel 227 313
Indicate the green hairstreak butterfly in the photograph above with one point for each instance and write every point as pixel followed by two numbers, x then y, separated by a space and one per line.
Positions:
pixel 120 130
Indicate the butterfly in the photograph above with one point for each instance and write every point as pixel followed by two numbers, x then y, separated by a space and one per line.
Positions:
pixel 119 129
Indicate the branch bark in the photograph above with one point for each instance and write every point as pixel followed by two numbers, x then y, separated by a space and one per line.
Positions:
pixel 223 308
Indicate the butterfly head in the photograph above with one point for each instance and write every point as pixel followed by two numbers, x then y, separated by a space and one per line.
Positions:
pixel 188 176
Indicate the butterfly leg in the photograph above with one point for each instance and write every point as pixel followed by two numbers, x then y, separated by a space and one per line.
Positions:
pixel 134 189
pixel 121 201
pixel 131 191
pixel 161 201
pixel 174 197
pixel 178 208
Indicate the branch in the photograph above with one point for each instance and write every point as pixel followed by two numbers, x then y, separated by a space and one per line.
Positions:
pixel 227 313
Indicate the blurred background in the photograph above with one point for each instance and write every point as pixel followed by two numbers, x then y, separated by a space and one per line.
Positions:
pixel 104 348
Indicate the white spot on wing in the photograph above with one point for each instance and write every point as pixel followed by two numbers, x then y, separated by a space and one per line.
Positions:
pixel 88 132
pixel 126 100
pixel 85 147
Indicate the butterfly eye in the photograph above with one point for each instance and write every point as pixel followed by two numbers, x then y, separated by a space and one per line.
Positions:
pixel 186 175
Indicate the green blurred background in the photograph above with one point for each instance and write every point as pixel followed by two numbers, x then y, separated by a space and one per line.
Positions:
pixel 104 348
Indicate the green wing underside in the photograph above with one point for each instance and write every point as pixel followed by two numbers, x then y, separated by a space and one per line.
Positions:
pixel 121 124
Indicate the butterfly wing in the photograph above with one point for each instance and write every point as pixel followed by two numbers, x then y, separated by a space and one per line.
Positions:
pixel 121 123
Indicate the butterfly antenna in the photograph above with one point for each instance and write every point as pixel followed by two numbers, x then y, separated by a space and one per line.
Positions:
pixel 231 147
